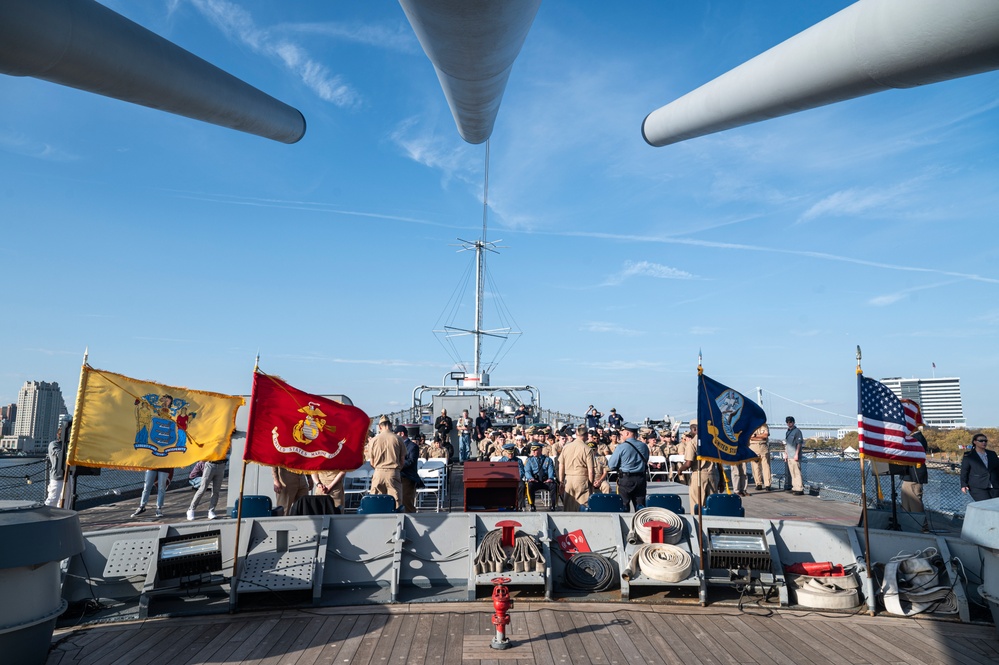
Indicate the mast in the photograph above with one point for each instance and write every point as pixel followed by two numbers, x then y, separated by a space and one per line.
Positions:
pixel 480 269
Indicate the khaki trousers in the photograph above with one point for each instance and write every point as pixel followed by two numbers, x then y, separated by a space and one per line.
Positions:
pixel 794 466
pixel 761 467
pixel 577 492
pixel 387 481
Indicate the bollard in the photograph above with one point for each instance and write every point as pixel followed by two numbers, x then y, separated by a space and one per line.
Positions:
pixel 502 604
pixel 509 536
pixel 656 527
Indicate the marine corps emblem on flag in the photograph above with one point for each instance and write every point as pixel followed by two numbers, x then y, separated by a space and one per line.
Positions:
pixel 307 430
pixel 301 431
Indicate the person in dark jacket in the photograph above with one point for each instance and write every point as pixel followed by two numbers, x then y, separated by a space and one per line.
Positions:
pixel 913 479
pixel 980 470
pixel 410 470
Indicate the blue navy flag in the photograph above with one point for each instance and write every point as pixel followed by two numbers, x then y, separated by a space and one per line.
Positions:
pixel 725 420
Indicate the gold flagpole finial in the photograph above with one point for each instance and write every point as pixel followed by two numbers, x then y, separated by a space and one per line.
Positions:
pixel 700 370
pixel 858 360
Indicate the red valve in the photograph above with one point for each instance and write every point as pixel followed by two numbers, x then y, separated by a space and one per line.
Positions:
pixel 501 619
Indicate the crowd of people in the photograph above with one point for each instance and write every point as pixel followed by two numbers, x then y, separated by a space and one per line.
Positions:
pixel 568 464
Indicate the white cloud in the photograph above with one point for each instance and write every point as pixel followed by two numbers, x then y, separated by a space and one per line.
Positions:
pixel 616 365
pixel 20 144
pixel 646 269
pixel 383 362
pixel 239 25
pixel 860 201
pixel 892 298
pixel 396 38
pixel 605 327
pixel 774 250
pixel 424 146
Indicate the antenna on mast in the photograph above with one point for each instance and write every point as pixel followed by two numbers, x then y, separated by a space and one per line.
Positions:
pixel 481 246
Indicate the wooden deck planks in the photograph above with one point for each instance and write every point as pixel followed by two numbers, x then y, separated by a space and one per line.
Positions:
pixel 672 650
pixel 542 634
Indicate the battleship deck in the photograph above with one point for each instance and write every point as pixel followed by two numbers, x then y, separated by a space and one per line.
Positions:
pixel 542 633
pixel 654 626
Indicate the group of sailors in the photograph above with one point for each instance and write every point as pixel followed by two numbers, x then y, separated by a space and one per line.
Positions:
pixel 568 465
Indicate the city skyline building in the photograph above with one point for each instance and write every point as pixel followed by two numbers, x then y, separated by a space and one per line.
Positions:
pixel 7 415
pixel 939 399
pixel 39 406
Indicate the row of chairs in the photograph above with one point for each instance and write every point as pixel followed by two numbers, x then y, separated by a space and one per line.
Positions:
pixel 721 505
pixel 433 494
pixel 725 505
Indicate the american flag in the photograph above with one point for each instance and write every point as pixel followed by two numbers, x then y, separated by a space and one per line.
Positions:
pixel 913 414
pixel 884 425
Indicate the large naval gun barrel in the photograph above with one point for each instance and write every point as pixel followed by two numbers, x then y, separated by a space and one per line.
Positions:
pixel 472 45
pixel 870 46
pixel 82 44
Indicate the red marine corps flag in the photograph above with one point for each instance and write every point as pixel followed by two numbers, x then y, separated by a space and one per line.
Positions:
pixel 303 432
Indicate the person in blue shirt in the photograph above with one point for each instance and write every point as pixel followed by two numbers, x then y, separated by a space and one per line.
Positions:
pixel 593 417
pixel 615 419
pixel 631 461
pixel 521 416
pixel 510 450
pixel 540 474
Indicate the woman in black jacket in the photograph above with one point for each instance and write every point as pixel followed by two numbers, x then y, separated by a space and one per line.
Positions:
pixel 980 470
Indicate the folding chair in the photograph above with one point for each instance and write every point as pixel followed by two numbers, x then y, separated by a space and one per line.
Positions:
pixel 724 505
pixel 376 504
pixel 671 502
pixel 605 503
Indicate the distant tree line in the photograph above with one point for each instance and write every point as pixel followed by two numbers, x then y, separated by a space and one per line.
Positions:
pixel 948 443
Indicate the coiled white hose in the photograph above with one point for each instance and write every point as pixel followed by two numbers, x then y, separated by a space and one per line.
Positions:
pixel 659 561
pixel 672 533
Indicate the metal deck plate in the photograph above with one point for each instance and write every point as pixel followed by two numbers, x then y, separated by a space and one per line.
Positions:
pixel 266 569
pixel 130 557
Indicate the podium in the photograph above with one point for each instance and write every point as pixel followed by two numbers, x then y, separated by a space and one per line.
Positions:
pixel 491 486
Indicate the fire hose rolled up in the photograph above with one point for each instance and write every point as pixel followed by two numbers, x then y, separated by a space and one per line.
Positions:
pixel 640 533
pixel 659 561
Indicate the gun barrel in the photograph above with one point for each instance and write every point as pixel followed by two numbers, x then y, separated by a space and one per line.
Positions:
pixel 82 44
pixel 472 45
pixel 870 46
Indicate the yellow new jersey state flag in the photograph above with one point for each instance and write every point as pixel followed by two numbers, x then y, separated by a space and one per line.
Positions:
pixel 130 424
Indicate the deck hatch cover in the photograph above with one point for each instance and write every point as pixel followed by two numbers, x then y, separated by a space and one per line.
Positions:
pixel 130 557
pixel 266 569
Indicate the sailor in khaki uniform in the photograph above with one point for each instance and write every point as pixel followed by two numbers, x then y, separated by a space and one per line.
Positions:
pixel 387 456
pixel 702 473
pixel 759 443
pixel 575 471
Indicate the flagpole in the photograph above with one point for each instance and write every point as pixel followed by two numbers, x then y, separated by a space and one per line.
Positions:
pixel 700 490
pixel 863 488
pixel 234 582
pixel 75 429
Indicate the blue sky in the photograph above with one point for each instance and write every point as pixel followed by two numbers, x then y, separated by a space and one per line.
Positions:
pixel 176 250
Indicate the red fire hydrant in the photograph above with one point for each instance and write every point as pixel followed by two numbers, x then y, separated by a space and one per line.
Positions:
pixel 502 604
